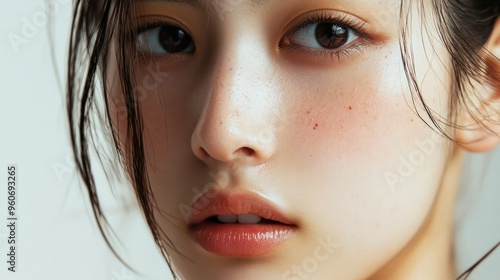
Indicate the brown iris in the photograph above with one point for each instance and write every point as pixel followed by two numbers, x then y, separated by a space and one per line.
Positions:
pixel 174 39
pixel 331 36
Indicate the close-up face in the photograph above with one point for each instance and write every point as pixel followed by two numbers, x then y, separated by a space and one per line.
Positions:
pixel 296 112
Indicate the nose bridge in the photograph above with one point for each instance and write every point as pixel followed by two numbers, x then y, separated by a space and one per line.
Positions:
pixel 242 80
pixel 235 122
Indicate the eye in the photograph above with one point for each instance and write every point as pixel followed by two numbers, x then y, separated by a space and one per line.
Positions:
pixel 165 39
pixel 323 35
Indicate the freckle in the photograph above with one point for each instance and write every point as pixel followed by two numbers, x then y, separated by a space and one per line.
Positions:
pixel 350 107
pixel 411 120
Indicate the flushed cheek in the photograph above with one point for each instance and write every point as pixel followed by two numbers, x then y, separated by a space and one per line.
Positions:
pixel 356 114
pixel 350 141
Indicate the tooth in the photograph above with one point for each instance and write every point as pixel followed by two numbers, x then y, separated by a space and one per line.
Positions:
pixel 248 219
pixel 228 219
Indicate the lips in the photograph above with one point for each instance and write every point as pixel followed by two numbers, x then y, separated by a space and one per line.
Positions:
pixel 239 224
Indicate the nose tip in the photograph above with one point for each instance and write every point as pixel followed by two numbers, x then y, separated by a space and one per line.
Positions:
pixel 230 143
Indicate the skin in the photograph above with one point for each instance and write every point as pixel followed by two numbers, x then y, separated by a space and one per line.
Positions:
pixel 324 138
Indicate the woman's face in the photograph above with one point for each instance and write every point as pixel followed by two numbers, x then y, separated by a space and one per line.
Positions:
pixel 301 105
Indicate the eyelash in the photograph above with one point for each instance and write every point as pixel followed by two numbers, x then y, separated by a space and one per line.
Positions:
pixel 324 17
pixel 153 24
pixel 149 25
pixel 320 17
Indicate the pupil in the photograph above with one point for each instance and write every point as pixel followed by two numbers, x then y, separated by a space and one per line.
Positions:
pixel 173 39
pixel 330 35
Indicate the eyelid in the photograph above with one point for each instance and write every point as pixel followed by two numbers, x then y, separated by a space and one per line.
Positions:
pixel 149 19
pixel 157 21
pixel 357 25
pixel 144 25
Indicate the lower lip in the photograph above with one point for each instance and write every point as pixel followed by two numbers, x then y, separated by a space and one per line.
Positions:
pixel 241 240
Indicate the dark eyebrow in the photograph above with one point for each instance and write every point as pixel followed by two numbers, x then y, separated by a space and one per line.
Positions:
pixel 203 5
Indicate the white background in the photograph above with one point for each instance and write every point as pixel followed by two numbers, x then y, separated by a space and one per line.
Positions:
pixel 56 236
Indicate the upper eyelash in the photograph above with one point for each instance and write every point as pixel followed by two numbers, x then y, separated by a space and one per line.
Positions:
pixel 356 26
pixel 323 16
pixel 141 27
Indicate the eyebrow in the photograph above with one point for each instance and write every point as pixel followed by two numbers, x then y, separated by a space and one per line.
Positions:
pixel 203 5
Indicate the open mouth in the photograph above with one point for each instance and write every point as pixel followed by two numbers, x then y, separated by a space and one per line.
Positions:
pixel 239 225
pixel 240 219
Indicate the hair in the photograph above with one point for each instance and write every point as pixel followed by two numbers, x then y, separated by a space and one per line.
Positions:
pixel 463 26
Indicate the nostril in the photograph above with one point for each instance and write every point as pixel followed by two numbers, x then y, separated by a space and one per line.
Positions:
pixel 248 151
pixel 203 152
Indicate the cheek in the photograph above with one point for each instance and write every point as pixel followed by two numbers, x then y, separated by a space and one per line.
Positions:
pixel 162 151
pixel 361 157
pixel 163 106
pixel 360 118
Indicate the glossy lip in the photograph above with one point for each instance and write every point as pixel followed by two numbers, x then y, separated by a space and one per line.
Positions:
pixel 223 203
pixel 238 240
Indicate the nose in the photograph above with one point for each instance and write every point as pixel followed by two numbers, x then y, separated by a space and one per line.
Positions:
pixel 236 122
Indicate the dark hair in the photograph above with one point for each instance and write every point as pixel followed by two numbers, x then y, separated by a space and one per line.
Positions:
pixel 463 25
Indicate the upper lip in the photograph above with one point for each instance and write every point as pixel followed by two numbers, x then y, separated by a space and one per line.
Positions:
pixel 225 203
